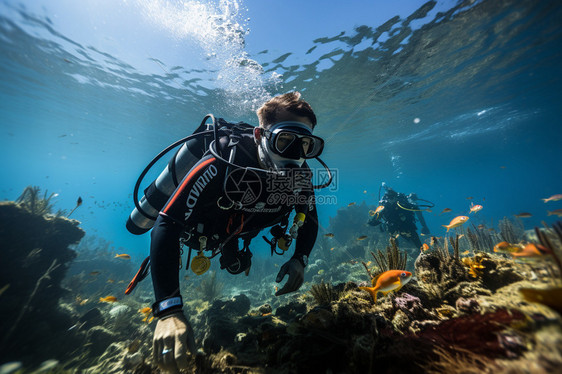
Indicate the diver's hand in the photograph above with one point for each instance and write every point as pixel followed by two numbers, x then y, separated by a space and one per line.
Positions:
pixel 425 231
pixel 294 268
pixel 173 337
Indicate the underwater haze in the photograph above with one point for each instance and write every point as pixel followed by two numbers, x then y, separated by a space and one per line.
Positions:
pixel 456 101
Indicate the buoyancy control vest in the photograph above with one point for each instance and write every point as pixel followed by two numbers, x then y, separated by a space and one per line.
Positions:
pixel 192 149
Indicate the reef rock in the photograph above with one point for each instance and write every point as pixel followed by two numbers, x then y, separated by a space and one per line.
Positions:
pixel 221 321
pixel 411 306
pixel 35 256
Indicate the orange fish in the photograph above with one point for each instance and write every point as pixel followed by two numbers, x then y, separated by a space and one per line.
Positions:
pixel 124 256
pixel 351 204
pixel 329 235
pixel 362 237
pixel 553 198
pixel 424 247
pixel 456 222
pixel 145 310
pixel 557 212
pixel 475 208
pixel 506 247
pixel 108 299
pixel 481 226
pixel 446 210
pixel 391 280
pixel 379 209
pixel 531 252
pixel 433 240
pixel 523 215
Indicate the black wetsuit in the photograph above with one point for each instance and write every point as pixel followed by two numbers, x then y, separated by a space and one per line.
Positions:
pixel 204 204
pixel 398 221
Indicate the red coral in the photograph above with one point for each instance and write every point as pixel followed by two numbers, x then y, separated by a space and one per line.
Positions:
pixel 478 333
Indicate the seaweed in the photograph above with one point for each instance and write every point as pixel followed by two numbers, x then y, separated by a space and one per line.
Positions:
pixel 455 244
pixel 442 252
pixel 554 243
pixel 31 201
pixel 324 293
pixel 481 240
pixel 391 259
pixel 477 333
pixel 511 231
pixel 210 288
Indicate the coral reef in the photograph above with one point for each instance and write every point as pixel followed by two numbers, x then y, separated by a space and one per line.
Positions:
pixel 31 201
pixel 210 288
pixel 511 231
pixel 35 256
pixel 391 259
pixel 325 293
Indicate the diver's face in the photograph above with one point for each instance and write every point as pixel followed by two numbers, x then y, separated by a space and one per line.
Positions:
pixel 284 140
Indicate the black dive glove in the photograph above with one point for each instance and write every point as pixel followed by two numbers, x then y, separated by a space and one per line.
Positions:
pixel 295 268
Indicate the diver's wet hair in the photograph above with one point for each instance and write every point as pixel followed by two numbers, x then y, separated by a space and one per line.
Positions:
pixel 290 102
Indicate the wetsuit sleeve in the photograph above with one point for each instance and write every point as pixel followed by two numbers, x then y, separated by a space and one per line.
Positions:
pixel 173 220
pixel 164 258
pixel 309 230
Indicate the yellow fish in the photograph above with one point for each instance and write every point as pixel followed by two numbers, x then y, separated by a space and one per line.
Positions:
pixel 362 237
pixel 557 212
pixel 124 256
pixel 505 247
pixel 379 209
pixel 329 235
pixel 531 252
pixel 475 208
pixel 146 313
pixel 553 198
pixel 391 280
pixel 456 222
pixel 108 299
pixel 446 210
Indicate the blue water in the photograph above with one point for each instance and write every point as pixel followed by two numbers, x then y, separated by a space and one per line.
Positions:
pixel 451 101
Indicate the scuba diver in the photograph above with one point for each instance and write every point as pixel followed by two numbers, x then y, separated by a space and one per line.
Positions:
pixel 397 211
pixel 239 179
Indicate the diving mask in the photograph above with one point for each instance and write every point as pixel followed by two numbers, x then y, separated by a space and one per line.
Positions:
pixel 293 140
pixel 288 144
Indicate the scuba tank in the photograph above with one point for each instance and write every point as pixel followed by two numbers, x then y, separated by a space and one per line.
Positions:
pixel 194 146
pixel 156 195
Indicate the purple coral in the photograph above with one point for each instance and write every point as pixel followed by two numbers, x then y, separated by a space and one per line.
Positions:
pixel 467 306
pixel 411 305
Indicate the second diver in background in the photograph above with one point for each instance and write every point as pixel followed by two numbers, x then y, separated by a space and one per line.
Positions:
pixel 397 212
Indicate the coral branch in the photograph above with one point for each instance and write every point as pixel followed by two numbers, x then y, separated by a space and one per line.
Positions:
pixel 46 276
